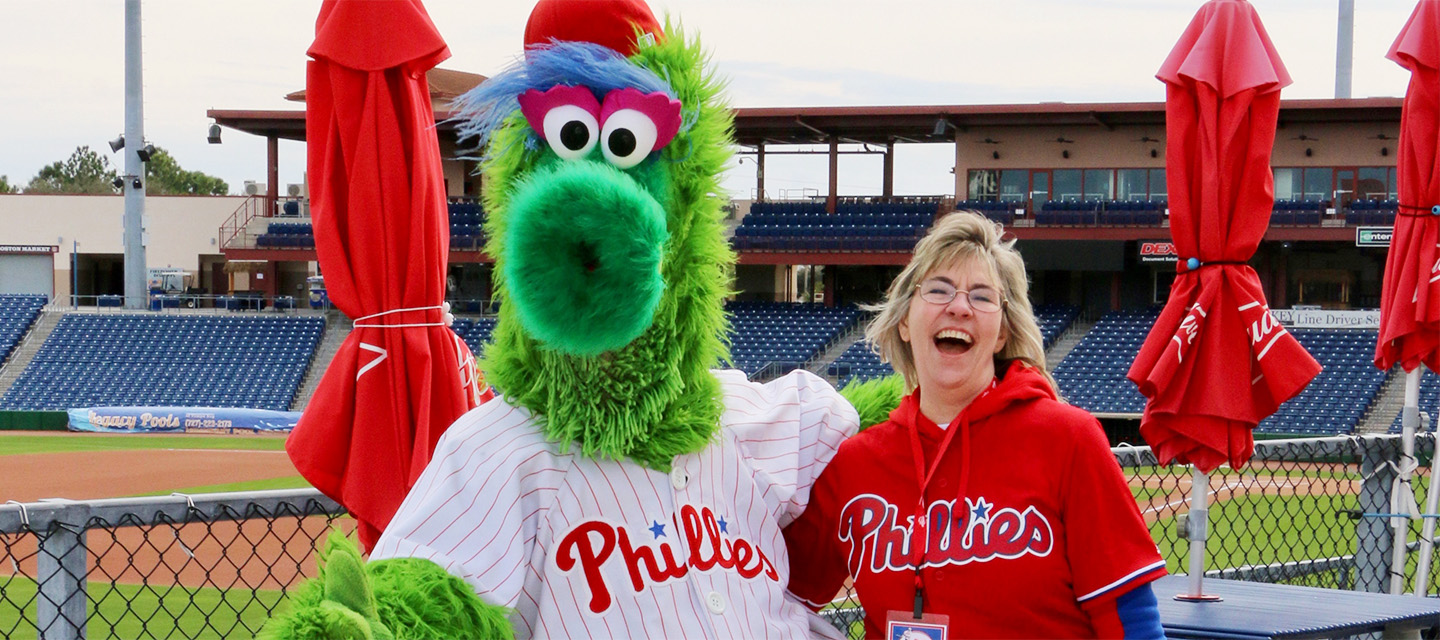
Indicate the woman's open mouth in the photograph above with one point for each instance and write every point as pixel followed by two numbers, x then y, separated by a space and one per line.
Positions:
pixel 953 342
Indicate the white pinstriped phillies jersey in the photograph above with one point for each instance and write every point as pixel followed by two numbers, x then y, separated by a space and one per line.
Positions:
pixel 580 547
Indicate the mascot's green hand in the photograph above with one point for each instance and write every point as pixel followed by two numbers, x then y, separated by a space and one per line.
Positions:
pixel 339 605
pixel 400 598
pixel 874 399
pixel 347 590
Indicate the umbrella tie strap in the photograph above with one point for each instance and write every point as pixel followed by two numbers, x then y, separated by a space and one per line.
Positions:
pixel 1193 264
pixel 445 318
pixel 1412 211
pixel 1402 494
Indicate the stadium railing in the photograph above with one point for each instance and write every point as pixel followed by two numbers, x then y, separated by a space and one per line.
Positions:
pixel 1307 511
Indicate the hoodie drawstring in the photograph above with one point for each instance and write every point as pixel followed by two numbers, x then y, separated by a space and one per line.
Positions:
pixel 920 524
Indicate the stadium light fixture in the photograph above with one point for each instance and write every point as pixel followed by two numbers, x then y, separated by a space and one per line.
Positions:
pixel 941 124
pixel 118 143
pixel 136 183
pixel 118 182
pixel 214 137
pixel 145 152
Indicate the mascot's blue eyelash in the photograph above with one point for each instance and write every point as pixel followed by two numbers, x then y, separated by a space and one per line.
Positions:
pixel 482 110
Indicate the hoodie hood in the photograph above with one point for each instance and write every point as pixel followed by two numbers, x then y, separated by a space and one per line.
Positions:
pixel 1017 383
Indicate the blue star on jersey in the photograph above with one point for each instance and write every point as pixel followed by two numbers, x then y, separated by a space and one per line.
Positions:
pixel 980 511
pixel 724 528
pixel 659 529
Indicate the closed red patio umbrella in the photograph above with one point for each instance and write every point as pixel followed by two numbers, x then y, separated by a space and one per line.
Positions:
pixel 382 236
pixel 1410 295
pixel 1216 362
pixel 1410 298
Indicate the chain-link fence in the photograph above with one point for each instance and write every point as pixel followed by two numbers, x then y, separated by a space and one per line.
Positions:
pixel 211 566
pixel 1311 512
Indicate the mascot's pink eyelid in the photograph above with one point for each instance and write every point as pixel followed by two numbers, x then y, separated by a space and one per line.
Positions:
pixel 662 110
pixel 535 104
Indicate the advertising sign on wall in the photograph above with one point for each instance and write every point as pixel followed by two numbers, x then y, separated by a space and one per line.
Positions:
pixel 1323 319
pixel 1157 251
pixel 180 420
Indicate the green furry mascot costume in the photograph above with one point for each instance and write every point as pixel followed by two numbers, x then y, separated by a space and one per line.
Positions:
pixel 619 486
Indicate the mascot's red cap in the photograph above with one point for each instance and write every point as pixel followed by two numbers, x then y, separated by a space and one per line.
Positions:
pixel 609 23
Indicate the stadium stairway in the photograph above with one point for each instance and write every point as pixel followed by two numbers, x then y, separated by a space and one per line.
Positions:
pixel 1387 404
pixel 820 365
pixel 337 328
pixel 28 347
pixel 1067 342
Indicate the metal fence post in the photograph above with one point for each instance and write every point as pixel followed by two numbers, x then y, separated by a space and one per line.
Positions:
pixel 60 605
pixel 1372 535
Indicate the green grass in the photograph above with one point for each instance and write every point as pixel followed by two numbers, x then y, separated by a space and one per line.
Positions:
pixel 1260 529
pixel 28 443
pixel 286 482
pixel 134 612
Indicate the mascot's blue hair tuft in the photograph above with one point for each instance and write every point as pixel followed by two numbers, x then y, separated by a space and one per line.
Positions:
pixel 480 111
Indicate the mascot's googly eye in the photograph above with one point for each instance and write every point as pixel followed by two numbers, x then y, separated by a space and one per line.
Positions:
pixel 568 118
pixel 627 138
pixel 571 131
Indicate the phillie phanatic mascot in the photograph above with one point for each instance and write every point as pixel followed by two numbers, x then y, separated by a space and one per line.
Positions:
pixel 618 486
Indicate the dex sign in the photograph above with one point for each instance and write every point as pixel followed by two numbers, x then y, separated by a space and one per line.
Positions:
pixel 1373 236
pixel 1157 251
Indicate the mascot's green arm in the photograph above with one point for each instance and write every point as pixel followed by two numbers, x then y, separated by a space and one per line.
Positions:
pixel 874 399
pixel 402 598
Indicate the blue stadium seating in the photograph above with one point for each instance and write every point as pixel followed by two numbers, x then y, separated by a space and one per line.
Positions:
pixel 765 332
pixel 857 225
pixel 1001 211
pixel 859 363
pixel 467 225
pixel 17 313
pixel 1107 213
pixel 1054 319
pixel 1297 212
pixel 1429 399
pixel 153 360
pixel 286 235
pixel 467 220
pixel 1337 399
pixel 475 332
pixel 1092 376
pixel 1372 213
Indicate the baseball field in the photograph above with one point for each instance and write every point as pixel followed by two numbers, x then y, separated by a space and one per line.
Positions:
pixel 199 602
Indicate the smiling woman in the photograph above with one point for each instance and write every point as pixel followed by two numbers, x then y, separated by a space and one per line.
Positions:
pixel 1048 543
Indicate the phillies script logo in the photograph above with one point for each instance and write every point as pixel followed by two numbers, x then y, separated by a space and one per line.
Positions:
pixel 980 533
pixel 592 544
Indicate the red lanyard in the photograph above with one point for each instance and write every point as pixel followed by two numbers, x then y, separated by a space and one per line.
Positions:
pixel 920 525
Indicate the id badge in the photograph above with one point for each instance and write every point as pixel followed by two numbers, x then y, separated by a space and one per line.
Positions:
pixel 902 625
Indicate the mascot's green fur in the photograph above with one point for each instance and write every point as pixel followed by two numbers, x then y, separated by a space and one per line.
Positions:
pixel 654 397
pixel 607 334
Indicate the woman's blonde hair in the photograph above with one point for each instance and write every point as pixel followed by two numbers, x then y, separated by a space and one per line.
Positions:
pixel 959 237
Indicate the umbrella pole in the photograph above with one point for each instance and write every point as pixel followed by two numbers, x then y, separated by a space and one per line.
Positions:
pixel 1409 417
pixel 1197 527
pixel 1432 497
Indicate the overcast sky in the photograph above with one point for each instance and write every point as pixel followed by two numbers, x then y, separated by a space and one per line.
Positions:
pixel 62 62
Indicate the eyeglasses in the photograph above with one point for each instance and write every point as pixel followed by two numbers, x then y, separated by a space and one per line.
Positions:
pixel 982 299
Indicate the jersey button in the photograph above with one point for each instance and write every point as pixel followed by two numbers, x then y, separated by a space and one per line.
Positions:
pixel 679 478
pixel 715 603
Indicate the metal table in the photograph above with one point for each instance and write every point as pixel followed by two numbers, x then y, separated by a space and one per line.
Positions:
pixel 1259 610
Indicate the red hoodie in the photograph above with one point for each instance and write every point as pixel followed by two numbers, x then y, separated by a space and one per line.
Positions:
pixel 1047 523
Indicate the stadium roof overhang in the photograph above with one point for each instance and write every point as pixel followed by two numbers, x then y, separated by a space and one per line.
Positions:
pixel 916 124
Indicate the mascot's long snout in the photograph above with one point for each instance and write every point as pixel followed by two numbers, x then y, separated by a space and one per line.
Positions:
pixel 582 253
